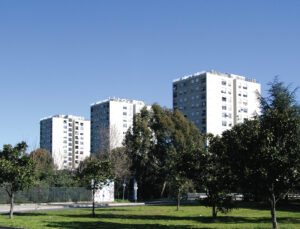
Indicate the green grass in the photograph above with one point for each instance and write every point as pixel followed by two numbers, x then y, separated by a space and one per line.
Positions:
pixel 163 217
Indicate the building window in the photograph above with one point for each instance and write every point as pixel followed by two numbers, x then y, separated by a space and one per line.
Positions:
pixel 125 125
pixel 245 95
pixel 124 108
pixel 224 115
pixel 124 113
pixel 223 99
pixel 224 123
pixel 223 82
pixel 224 108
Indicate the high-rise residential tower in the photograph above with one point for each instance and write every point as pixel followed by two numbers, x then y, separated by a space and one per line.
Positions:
pixel 215 101
pixel 67 138
pixel 110 120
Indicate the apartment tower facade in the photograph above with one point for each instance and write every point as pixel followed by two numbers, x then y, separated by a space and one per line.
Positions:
pixel 215 101
pixel 110 120
pixel 67 138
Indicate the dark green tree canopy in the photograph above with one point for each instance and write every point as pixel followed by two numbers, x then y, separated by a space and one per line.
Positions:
pixel 163 146
pixel 16 170
pixel 264 154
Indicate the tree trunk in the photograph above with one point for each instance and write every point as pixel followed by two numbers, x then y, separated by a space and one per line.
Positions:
pixel 178 200
pixel 163 189
pixel 93 196
pixel 273 211
pixel 214 213
pixel 11 212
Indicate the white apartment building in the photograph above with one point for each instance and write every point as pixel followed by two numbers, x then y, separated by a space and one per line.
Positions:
pixel 215 101
pixel 67 138
pixel 110 120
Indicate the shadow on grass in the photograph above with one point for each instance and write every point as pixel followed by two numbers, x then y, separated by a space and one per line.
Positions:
pixel 202 219
pixel 27 214
pixel 110 225
pixel 291 206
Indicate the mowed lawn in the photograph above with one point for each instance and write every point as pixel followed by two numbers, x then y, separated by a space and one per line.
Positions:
pixel 144 217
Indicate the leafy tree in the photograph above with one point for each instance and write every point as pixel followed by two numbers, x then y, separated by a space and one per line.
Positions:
pixel 16 171
pixel 44 163
pixel 138 143
pixel 94 175
pixel 264 154
pixel 162 145
pixel 216 178
pixel 187 147
pixel 121 163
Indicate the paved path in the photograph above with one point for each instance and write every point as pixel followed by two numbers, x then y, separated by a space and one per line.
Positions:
pixel 4 208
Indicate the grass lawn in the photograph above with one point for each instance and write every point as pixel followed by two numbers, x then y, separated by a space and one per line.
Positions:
pixel 144 217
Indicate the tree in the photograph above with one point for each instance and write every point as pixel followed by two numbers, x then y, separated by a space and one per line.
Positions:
pixel 187 147
pixel 16 171
pixel 120 165
pixel 162 145
pixel 94 175
pixel 264 154
pixel 216 178
pixel 138 143
pixel 44 163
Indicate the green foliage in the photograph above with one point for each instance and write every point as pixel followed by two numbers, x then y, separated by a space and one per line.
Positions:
pixel 94 170
pixel 94 175
pixel 216 178
pixel 264 154
pixel 163 146
pixel 16 170
pixel 44 162
pixel 121 163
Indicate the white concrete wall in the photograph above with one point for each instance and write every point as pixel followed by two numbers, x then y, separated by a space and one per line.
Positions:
pixel 214 103
pixel 106 193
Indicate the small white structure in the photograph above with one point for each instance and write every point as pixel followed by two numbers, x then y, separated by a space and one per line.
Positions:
pixel 106 193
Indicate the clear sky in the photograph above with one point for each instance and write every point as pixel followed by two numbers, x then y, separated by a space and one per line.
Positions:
pixel 58 57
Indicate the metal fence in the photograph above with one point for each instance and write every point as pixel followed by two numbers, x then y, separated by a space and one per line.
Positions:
pixel 48 194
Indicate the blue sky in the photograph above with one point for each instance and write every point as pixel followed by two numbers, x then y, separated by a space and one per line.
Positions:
pixel 58 57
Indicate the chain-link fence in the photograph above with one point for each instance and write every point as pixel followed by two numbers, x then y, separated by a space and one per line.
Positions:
pixel 49 194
